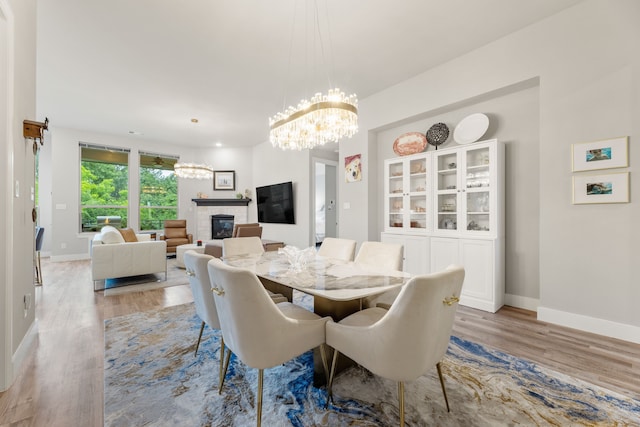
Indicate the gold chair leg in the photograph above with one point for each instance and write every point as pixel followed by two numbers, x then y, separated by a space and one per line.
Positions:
pixel 330 384
pixel 444 392
pixel 220 373
pixel 224 374
pixel 259 416
pixel 199 338
pixel 325 366
pixel 401 402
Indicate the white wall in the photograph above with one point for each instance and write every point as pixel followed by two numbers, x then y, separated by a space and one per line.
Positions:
pixel 587 60
pixel 272 166
pixel 235 159
pixel 17 325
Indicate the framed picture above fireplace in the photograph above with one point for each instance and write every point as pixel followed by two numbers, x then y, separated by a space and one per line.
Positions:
pixel 224 180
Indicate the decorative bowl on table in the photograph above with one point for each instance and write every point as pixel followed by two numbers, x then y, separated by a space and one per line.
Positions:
pixel 298 258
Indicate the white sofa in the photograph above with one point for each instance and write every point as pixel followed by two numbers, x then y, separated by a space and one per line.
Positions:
pixel 112 257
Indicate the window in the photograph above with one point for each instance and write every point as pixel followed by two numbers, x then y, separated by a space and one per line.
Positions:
pixel 158 190
pixel 104 186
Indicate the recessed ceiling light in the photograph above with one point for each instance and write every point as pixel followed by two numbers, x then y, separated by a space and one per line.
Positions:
pixel 194 120
pixel 218 144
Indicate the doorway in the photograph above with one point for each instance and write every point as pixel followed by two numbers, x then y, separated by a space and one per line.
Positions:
pixel 325 223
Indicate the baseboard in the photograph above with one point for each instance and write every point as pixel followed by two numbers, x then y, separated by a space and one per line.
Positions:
pixel 24 349
pixel 590 324
pixel 71 257
pixel 518 301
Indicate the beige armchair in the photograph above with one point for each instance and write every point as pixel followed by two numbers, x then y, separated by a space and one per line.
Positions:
pixel 175 234
pixel 401 344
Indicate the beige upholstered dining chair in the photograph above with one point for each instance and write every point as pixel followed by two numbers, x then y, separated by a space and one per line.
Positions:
pixel 261 334
pixel 196 268
pixel 384 256
pixel 242 245
pixel 381 255
pixel 248 245
pixel 343 249
pixel 415 331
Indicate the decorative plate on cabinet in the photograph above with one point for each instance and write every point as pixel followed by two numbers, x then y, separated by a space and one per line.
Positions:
pixel 437 134
pixel 409 143
pixel 471 128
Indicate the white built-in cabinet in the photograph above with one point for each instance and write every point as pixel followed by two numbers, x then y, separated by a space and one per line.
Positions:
pixel 415 251
pixel 464 213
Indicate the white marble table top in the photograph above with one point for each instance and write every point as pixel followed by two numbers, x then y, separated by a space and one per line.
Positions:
pixel 326 277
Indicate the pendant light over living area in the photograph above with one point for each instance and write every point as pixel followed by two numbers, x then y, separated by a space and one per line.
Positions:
pixel 193 171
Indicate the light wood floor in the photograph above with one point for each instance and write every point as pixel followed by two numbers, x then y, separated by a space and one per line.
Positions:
pixel 62 382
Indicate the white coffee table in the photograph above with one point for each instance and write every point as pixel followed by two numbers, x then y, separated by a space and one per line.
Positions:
pixel 180 250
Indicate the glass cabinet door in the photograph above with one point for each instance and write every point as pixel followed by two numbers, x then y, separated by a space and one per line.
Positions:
pixel 395 195
pixel 418 193
pixel 406 190
pixel 464 198
pixel 477 183
pixel 447 189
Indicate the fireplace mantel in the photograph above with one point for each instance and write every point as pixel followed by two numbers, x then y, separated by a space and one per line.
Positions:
pixel 221 202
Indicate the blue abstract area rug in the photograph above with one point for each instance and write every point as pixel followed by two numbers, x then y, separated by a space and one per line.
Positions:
pixel 152 378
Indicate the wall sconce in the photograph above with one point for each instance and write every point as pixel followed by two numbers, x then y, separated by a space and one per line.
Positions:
pixel 35 130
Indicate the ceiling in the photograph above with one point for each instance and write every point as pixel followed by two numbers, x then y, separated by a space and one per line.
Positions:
pixel 150 66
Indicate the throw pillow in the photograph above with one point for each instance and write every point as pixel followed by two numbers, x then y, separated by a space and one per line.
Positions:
pixel 111 235
pixel 128 234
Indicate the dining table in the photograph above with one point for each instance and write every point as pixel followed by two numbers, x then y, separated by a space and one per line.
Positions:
pixel 338 287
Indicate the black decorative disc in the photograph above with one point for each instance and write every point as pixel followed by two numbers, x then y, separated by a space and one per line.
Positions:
pixel 437 134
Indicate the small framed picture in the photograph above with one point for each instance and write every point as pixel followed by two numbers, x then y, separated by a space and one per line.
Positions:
pixel 224 180
pixel 605 154
pixel 353 168
pixel 610 188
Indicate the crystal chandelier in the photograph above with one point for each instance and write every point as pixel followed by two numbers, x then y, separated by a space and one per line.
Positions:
pixel 193 171
pixel 325 118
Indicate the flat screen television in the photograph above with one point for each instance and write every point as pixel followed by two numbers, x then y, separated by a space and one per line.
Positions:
pixel 275 203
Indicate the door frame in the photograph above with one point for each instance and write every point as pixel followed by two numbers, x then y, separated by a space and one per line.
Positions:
pixel 6 233
pixel 312 200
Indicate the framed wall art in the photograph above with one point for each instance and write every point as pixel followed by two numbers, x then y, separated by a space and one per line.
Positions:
pixel 605 154
pixel 353 168
pixel 224 180
pixel 609 188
